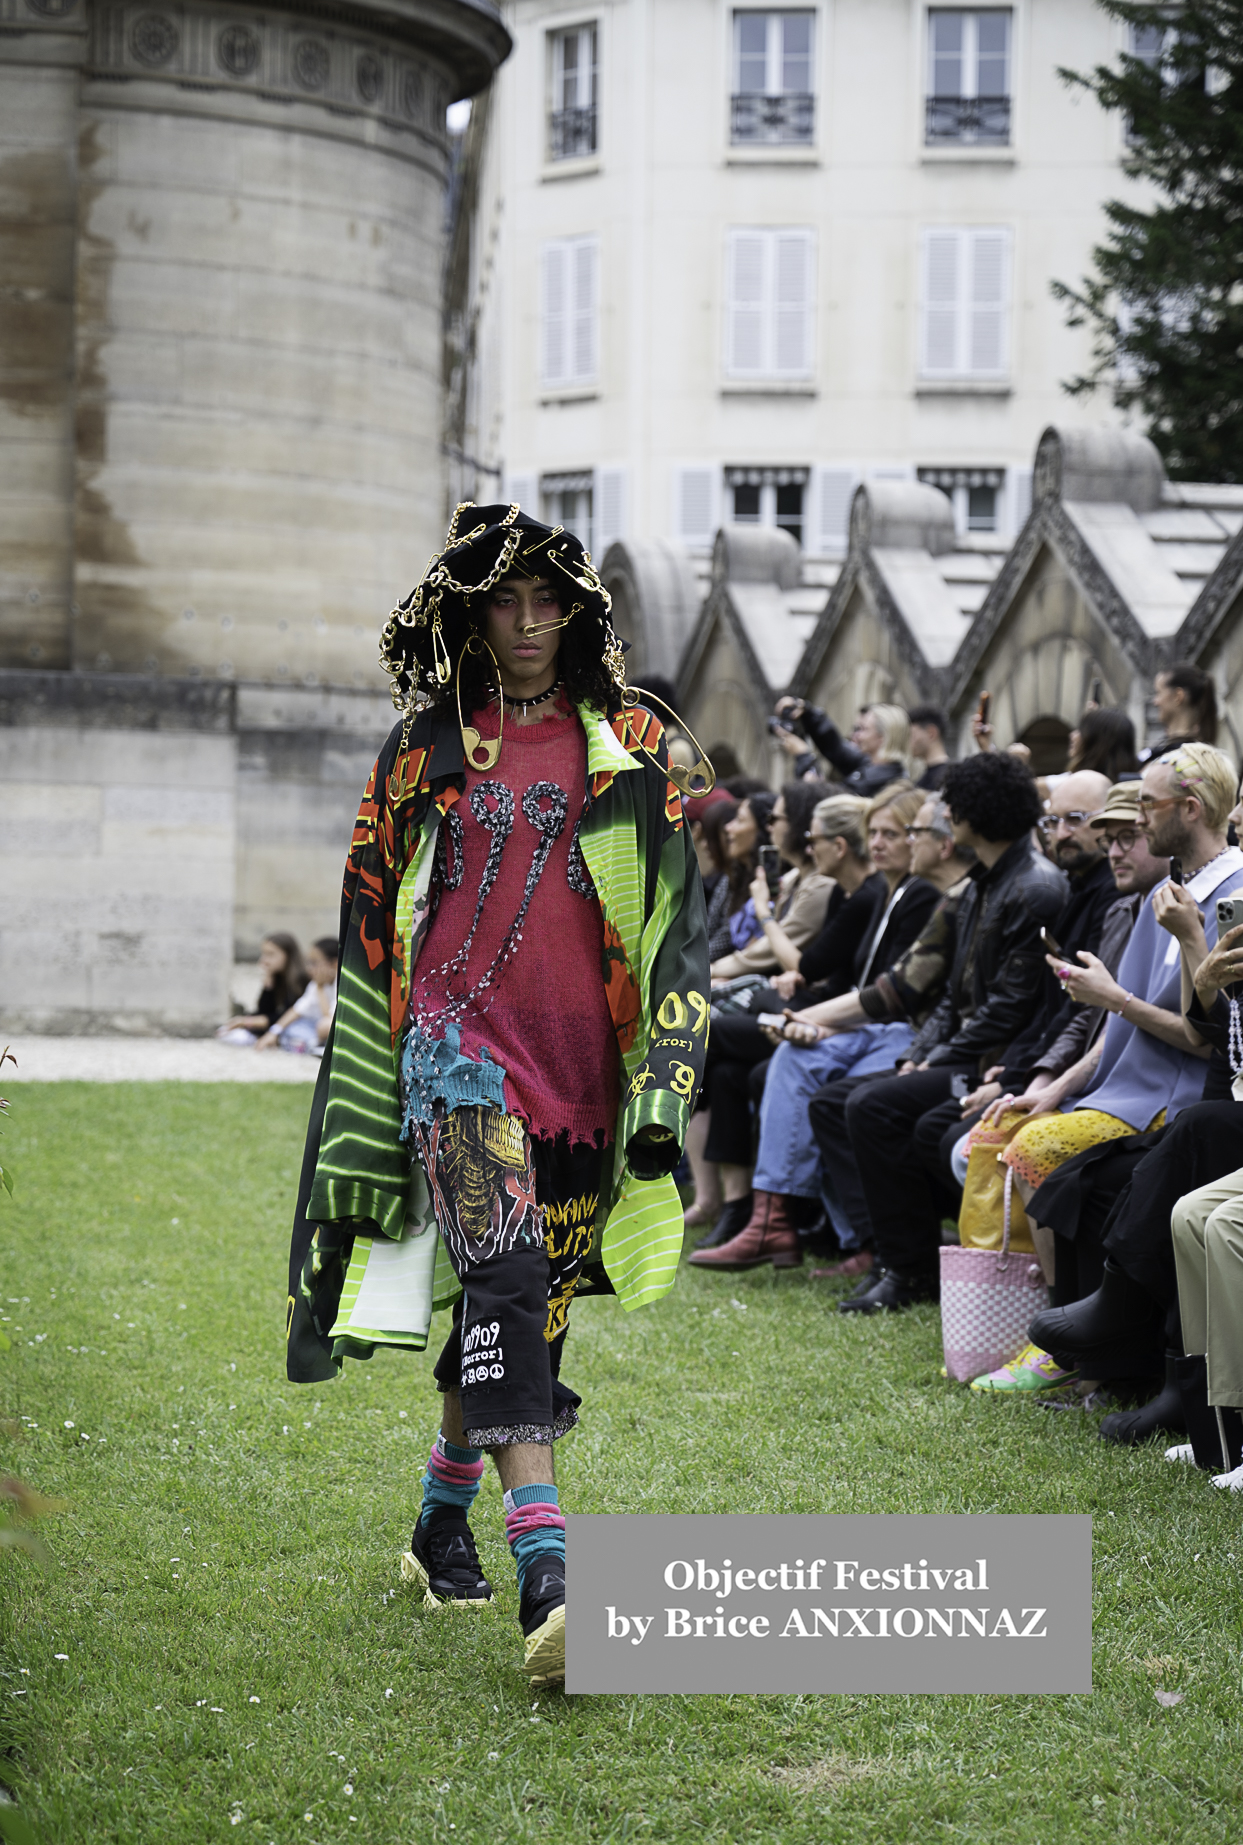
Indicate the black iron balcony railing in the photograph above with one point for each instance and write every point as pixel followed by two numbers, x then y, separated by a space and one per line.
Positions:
pixel 571 133
pixel 790 117
pixel 980 119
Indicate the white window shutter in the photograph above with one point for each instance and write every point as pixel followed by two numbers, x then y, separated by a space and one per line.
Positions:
pixel 793 276
pixel 610 507
pixel 1019 483
pixel 988 278
pixel 835 489
pixel 584 257
pixel 695 506
pixel 942 318
pixel 555 332
pixel 745 339
pixel 522 489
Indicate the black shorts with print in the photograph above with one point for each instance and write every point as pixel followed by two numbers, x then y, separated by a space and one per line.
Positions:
pixel 517 1216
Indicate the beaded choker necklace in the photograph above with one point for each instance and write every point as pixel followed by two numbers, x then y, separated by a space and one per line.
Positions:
pixel 538 698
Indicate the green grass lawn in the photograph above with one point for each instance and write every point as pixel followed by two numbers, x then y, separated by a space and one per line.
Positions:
pixel 243 1662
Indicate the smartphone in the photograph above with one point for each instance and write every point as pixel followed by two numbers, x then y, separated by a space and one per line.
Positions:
pixel 985 701
pixel 1054 947
pixel 1229 914
pixel 1176 871
pixel 1097 692
pixel 773 1021
pixel 770 865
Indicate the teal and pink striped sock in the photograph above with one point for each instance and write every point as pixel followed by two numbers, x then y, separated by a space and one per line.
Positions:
pixel 452 1477
pixel 534 1526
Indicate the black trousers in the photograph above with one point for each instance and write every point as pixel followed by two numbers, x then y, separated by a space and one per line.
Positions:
pixel 1203 1143
pixel 896 1126
pixel 736 1048
pixel 827 1112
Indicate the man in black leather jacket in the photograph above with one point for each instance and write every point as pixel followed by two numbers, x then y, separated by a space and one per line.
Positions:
pixel 993 989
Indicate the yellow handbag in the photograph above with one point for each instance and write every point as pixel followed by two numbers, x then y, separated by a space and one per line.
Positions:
pixel 981 1222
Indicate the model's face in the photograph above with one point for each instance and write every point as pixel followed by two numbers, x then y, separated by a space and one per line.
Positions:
pixel 927 847
pixel 1171 703
pixel 1130 860
pixel 741 832
pixel 272 960
pixel 524 629
pixel 888 846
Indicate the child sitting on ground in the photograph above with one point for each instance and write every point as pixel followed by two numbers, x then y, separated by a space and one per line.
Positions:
pixel 304 1027
pixel 284 978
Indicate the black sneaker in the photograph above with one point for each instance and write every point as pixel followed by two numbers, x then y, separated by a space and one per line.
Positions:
pixel 443 1562
pixel 542 1616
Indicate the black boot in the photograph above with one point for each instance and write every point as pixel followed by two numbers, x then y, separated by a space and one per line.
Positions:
pixel 734 1216
pixel 1216 1434
pixel 1163 1415
pixel 1113 1321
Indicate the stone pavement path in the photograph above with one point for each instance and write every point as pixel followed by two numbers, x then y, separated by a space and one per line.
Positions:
pixel 147 1060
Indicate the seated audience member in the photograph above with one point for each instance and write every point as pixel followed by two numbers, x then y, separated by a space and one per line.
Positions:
pixel 927 747
pixel 1185 700
pixel 787 1153
pixel 284 980
pixel 992 992
pixel 1103 1332
pixel 1078 849
pixel 305 1026
pixel 742 835
pixel 788 920
pixel 718 1142
pixel 875 754
pixel 907 992
pixel 1104 740
pixel 706 814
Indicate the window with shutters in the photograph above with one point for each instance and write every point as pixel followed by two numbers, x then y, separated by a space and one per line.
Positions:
pixel 770 312
pixel 569 334
pixel 965 303
pixel 968 100
pixel 974 493
pixel 767 496
pixel 568 500
pixel 572 124
pixel 773 98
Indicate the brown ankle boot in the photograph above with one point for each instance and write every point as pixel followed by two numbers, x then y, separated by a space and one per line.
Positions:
pixel 769 1237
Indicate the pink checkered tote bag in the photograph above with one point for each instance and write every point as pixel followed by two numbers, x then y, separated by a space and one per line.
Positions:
pixel 988 1298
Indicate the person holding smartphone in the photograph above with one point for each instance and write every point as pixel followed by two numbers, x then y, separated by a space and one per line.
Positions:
pixel 788 896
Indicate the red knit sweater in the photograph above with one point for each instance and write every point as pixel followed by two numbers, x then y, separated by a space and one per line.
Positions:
pixel 544 1016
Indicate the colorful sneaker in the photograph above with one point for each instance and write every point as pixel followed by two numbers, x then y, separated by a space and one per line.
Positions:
pixel 1031 1370
pixel 541 1614
pixel 443 1562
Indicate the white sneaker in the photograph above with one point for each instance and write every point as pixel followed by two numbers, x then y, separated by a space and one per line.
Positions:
pixel 1233 1482
pixel 1182 1451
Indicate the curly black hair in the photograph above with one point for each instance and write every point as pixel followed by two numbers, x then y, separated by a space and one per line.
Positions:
pixel 994 793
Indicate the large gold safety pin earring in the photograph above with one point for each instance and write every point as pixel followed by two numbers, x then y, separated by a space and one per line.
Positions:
pixel 684 780
pixel 481 752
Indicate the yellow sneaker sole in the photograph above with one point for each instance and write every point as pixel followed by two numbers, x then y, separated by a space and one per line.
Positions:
pixel 544 1663
pixel 412 1571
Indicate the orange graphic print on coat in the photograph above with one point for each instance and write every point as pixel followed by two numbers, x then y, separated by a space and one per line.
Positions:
pixel 621 989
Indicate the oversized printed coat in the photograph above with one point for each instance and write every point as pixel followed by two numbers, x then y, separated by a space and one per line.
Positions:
pixel 357 1175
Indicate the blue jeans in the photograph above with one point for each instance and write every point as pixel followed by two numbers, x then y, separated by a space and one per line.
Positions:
pixel 789 1160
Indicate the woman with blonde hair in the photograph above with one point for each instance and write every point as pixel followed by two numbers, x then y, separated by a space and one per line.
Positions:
pixel 875 754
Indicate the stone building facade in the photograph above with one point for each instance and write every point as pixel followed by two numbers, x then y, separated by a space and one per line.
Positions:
pixel 221 242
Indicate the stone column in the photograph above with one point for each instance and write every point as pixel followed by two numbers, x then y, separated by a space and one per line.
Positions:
pixel 258 325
